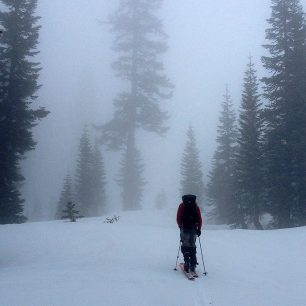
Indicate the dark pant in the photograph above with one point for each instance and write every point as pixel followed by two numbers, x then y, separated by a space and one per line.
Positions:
pixel 188 248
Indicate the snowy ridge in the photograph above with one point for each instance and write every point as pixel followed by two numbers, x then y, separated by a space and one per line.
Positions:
pixel 130 263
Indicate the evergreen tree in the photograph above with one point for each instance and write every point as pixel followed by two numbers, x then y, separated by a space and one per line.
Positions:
pixel 84 189
pixel 139 42
pixel 70 212
pixel 131 180
pixel 18 87
pixel 286 113
pixel 221 187
pixel 65 197
pixel 249 159
pixel 161 200
pixel 36 213
pixel 191 169
pixel 98 183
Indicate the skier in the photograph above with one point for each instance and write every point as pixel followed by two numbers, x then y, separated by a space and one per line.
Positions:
pixel 189 221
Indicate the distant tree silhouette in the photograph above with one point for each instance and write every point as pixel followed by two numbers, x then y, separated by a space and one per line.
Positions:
pixel 83 176
pixel 98 175
pixel 191 169
pixel 139 41
pixel 249 159
pixel 130 179
pixel 65 197
pixel 161 200
pixel 70 212
pixel 221 186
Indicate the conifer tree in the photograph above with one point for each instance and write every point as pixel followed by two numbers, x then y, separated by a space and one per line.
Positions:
pixel 139 42
pixel 18 87
pixel 65 197
pixel 36 213
pixel 70 212
pixel 221 185
pixel 249 159
pixel 161 200
pixel 90 178
pixel 98 183
pixel 131 180
pixel 285 135
pixel 84 189
pixel 191 169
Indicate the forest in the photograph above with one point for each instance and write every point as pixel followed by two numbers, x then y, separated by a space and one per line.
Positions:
pixel 255 176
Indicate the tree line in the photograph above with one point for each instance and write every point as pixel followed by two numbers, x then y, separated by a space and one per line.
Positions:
pixel 259 166
pixel 260 163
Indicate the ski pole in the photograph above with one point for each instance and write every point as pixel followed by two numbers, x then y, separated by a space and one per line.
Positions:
pixel 205 273
pixel 178 255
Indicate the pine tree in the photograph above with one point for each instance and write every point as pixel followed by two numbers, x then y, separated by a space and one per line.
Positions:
pixel 249 159
pixel 221 185
pixel 84 189
pixel 36 213
pixel 70 212
pixel 191 169
pixel 131 180
pixel 161 200
pixel 139 42
pixel 286 113
pixel 98 183
pixel 18 87
pixel 65 197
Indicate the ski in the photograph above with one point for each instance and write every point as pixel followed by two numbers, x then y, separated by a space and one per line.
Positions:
pixel 194 274
pixel 188 275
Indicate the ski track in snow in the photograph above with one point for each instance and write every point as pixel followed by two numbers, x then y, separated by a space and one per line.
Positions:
pixel 201 297
pixel 196 289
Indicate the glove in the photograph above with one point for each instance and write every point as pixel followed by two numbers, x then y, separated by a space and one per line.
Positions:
pixel 198 232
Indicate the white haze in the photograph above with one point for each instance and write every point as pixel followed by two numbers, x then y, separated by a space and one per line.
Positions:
pixel 209 45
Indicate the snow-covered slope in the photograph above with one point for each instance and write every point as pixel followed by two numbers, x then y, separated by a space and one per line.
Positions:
pixel 130 263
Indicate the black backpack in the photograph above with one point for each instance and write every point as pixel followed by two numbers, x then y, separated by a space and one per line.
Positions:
pixel 190 212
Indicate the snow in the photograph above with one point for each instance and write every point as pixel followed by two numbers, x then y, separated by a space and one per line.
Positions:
pixel 130 263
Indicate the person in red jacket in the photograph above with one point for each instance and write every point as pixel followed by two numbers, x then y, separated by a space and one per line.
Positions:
pixel 189 221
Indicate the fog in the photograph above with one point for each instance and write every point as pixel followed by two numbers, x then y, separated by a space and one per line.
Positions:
pixel 209 45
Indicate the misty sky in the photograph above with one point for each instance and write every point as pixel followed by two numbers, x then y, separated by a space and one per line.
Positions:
pixel 209 45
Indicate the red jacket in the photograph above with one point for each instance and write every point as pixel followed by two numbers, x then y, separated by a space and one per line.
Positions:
pixel 180 214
